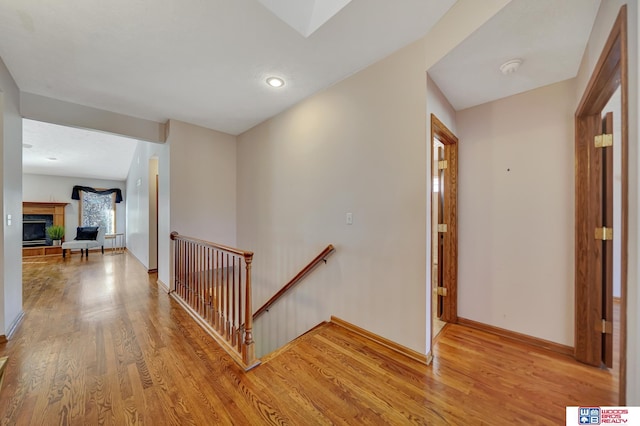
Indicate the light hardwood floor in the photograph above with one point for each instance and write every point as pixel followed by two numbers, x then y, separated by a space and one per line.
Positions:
pixel 99 344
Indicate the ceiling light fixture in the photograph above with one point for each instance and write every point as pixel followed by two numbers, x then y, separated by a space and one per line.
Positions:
pixel 511 66
pixel 52 159
pixel 275 82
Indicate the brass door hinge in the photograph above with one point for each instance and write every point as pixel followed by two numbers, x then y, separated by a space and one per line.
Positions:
pixel 441 291
pixel 604 326
pixel 442 227
pixel 604 233
pixel 442 164
pixel 603 141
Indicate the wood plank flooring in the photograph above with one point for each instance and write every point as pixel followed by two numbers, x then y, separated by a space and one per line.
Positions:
pixel 99 344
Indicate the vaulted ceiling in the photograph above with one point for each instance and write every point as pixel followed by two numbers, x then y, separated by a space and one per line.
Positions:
pixel 206 62
pixel 203 62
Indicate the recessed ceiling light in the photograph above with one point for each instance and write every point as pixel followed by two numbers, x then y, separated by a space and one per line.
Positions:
pixel 27 145
pixel 511 66
pixel 52 159
pixel 275 82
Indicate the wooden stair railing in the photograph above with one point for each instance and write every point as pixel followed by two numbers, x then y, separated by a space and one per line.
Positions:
pixel 213 283
pixel 299 276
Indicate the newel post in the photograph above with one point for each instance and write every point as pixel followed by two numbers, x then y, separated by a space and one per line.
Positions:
pixel 248 349
pixel 172 261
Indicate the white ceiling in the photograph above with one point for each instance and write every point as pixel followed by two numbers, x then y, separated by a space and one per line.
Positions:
pixel 77 152
pixel 205 62
pixel 200 61
pixel 548 35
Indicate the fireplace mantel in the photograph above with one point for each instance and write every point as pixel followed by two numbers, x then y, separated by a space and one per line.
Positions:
pixel 45 208
pixel 33 207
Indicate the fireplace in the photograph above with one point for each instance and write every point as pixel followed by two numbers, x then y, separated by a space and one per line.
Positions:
pixel 34 233
pixel 34 238
pixel 34 229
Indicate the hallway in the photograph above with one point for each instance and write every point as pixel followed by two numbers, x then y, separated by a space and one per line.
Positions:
pixel 99 344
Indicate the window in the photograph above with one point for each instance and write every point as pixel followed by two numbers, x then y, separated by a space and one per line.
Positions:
pixel 98 210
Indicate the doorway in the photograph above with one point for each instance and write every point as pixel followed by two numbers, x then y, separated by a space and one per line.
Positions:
pixel 444 229
pixel 153 214
pixel 601 228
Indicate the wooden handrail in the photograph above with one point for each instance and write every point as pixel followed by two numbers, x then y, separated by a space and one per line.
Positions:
pixel 213 283
pixel 244 253
pixel 299 276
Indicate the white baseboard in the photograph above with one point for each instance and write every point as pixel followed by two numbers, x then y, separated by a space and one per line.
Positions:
pixel 163 285
pixel 13 327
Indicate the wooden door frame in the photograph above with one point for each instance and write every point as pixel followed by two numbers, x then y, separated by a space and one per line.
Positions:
pixel 444 135
pixel 610 71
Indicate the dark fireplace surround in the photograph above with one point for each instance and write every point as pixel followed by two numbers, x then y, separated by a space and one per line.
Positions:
pixel 33 233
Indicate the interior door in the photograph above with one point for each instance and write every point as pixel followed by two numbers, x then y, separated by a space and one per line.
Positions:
pixel 594 298
pixel 606 280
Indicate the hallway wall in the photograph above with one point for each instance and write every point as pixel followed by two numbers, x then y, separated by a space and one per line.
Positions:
pixel 11 202
pixel 203 182
pixel 360 147
pixel 357 147
pixel 516 213
pixel 138 206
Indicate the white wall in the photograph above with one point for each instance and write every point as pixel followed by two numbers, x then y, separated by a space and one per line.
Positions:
pixel 138 205
pixel 516 213
pixel 138 208
pixel 11 180
pixel 438 104
pixel 203 182
pixel 44 188
pixel 460 21
pixel 357 147
pixel 602 26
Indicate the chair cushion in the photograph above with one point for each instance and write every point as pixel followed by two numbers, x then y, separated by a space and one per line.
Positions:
pixel 87 233
pixel 77 245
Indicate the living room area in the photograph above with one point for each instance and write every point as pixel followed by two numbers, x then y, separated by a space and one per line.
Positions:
pixel 74 190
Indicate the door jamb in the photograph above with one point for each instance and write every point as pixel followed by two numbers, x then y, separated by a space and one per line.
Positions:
pixel 613 62
pixel 439 130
